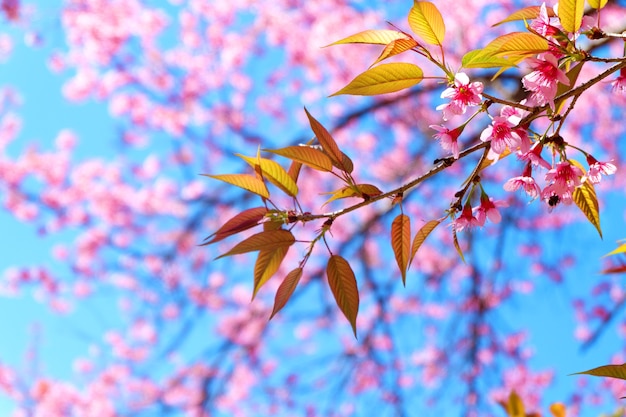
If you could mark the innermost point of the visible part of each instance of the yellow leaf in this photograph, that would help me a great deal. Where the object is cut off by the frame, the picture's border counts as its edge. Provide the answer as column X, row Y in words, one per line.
column 426, row 21
column 307, row 155
column 527, row 13
column 586, row 200
column 421, row 236
column 247, row 182
column 515, row 406
column 242, row 221
column 266, row 265
column 401, row 242
column 269, row 239
column 571, row 14
column 518, row 43
column 620, row 249
column 343, row 285
column 365, row 191
column 478, row 58
column 455, row 240
column 611, row 371
column 274, row 173
column 557, row 409
column 374, row 37
column 383, row 79
column 285, row 290
column 396, row 47
column 325, row 139
column 572, row 76
column 597, row 4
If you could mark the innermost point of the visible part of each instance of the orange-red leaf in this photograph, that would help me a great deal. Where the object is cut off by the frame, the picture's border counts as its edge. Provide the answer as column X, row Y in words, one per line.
column 558, row 410
column 342, row 283
column 307, row 155
column 329, row 145
column 269, row 239
column 396, row 47
column 401, row 242
column 383, row 79
column 426, row 21
column 245, row 181
column 421, row 236
column 375, row 37
column 285, row 290
column 267, row 263
column 274, row 173
column 242, row 221
column 586, row 200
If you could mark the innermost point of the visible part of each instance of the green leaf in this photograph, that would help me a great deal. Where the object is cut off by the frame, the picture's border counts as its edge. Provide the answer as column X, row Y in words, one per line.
column 374, row 37
column 240, row 222
column 266, row 265
column 307, row 155
column 426, row 21
column 343, row 285
column 478, row 58
column 325, row 139
column 401, row 242
column 611, row 371
column 421, row 236
column 597, row 4
column 571, row 14
column 285, row 290
column 396, row 47
column 269, row 239
column 274, row 173
column 383, row 79
column 527, row 13
column 245, row 181
column 586, row 200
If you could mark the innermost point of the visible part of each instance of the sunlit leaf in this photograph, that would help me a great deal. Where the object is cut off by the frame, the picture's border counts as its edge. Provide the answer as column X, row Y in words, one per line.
column 325, row 139
column 294, row 170
column 401, row 242
column 455, row 240
column 383, row 79
column 586, row 200
column 478, row 58
column 270, row 239
column 620, row 249
column 245, row 181
column 618, row 269
column 376, row 37
column 309, row 156
column 518, row 43
column 426, row 21
column 274, row 173
column 421, row 236
column 343, row 285
column 611, row 371
column 597, row 4
column 240, row 222
column 285, row 290
column 515, row 406
column 396, row 47
column 558, row 410
column 365, row 191
column 527, row 13
column 266, row 265
column 571, row 14
column 346, row 163
column 572, row 76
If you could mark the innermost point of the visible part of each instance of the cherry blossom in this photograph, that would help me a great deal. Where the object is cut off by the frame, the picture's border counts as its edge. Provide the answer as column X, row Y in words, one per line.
column 463, row 94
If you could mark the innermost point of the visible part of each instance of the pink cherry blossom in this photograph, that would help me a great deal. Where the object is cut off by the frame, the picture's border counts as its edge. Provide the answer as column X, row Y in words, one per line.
column 488, row 209
column 501, row 134
column 562, row 179
column 448, row 139
column 543, row 80
column 466, row 219
column 463, row 94
column 597, row 169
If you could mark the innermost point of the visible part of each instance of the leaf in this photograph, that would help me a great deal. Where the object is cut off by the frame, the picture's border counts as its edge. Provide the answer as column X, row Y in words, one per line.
column 597, row 4
column 294, row 170
column 457, row 246
column 245, row 181
column 515, row 406
column 586, row 200
column 383, row 79
column 619, row 269
column 620, row 249
column 421, row 236
column 518, row 43
column 240, row 222
column 274, row 174
column 478, row 58
column 611, row 371
column 374, row 37
column 571, row 14
column 572, row 76
column 527, row 13
column 426, row 21
column 365, row 191
column 329, row 145
column 558, row 410
column 396, row 47
column 266, row 265
column 343, row 285
column 401, row 242
column 285, row 290
column 264, row 240
column 307, row 155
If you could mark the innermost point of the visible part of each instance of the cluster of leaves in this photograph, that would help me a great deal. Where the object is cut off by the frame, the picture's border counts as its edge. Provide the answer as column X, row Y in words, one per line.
column 427, row 23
